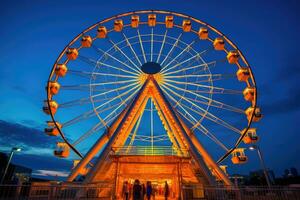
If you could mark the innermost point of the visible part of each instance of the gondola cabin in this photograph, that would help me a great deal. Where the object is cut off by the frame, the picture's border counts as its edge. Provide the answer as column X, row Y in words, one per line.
column 238, row 156
column 72, row 53
column 243, row 74
column 118, row 25
column 62, row 150
column 250, row 136
column 52, row 130
column 186, row 25
column 249, row 93
column 54, row 87
column 203, row 33
column 169, row 21
column 257, row 114
column 233, row 57
column 101, row 32
column 61, row 70
column 151, row 20
column 219, row 44
column 53, row 107
column 135, row 20
column 86, row 41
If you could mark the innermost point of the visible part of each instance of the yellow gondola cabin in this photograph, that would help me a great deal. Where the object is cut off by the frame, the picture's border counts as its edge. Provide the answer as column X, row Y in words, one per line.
column 62, row 150
column 86, row 41
column 53, row 107
column 52, row 130
column 219, row 44
column 238, row 156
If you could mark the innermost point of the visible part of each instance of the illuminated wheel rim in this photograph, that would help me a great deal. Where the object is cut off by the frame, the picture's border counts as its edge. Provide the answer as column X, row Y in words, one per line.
column 197, row 79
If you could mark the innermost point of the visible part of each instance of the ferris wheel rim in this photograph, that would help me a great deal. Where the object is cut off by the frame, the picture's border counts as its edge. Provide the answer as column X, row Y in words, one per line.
column 254, row 105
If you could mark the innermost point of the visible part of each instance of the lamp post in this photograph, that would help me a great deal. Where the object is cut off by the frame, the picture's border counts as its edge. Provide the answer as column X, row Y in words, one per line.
column 13, row 150
column 262, row 163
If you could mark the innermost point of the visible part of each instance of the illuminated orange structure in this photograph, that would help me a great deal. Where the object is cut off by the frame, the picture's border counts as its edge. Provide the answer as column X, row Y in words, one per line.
column 160, row 64
column 190, row 165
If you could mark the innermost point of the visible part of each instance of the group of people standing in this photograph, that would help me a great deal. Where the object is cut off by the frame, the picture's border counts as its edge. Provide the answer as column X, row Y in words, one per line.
column 141, row 192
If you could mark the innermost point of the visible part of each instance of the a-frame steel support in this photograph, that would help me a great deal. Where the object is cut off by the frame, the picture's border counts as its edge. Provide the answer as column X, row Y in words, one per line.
column 180, row 135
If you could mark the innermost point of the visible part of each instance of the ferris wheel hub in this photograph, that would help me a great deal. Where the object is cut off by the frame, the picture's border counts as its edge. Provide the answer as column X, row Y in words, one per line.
column 151, row 68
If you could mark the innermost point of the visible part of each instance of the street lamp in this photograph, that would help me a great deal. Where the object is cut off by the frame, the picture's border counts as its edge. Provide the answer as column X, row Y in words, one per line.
column 14, row 149
column 262, row 163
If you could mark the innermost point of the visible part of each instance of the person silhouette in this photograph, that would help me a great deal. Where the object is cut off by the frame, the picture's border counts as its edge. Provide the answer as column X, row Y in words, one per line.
column 167, row 190
column 137, row 190
column 148, row 190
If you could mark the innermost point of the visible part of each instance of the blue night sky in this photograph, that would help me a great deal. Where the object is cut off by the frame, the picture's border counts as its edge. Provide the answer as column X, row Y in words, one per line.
column 34, row 32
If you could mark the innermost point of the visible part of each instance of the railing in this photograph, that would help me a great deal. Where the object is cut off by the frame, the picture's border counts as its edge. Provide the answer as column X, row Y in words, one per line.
column 105, row 191
column 241, row 193
column 150, row 151
column 49, row 192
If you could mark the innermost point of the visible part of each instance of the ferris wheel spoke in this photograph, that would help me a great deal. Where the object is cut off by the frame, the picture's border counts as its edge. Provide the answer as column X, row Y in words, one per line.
column 94, row 129
column 201, row 127
column 204, row 66
column 85, row 116
column 81, row 101
column 122, row 103
column 116, row 97
column 204, row 113
column 203, row 130
column 183, row 51
column 113, row 57
column 214, row 89
column 115, row 75
column 79, row 118
column 141, row 45
column 171, row 50
column 217, row 77
column 112, row 83
column 124, row 54
column 209, row 100
column 114, row 90
column 197, row 56
column 95, row 63
column 89, row 74
column 133, row 51
column 92, row 113
column 206, row 132
column 162, row 46
column 151, row 54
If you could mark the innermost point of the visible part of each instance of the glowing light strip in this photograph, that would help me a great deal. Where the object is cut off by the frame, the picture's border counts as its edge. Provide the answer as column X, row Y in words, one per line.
column 178, row 64
column 193, row 67
column 230, row 91
column 130, row 46
column 171, row 50
column 120, row 50
column 141, row 45
column 162, row 46
column 116, row 59
column 151, row 58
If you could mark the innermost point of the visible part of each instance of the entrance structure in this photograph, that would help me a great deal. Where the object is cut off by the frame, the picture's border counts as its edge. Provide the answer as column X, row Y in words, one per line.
column 159, row 66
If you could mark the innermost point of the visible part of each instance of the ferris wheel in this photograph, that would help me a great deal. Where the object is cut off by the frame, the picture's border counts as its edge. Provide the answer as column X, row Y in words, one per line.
column 202, row 74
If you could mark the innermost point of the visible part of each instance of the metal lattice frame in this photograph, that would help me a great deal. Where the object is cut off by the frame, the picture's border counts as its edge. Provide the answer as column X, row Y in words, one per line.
column 121, row 76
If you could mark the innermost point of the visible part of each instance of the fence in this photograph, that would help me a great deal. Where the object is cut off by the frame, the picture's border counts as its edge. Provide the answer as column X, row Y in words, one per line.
column 46, row 191
column 241, row 193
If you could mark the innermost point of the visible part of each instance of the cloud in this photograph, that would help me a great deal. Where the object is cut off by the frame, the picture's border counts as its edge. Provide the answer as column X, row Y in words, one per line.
column 48, row 173
column 14, row 134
